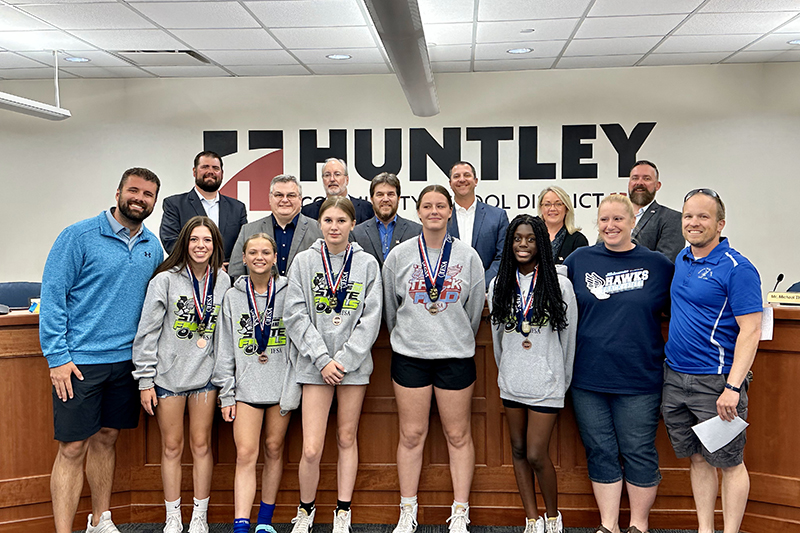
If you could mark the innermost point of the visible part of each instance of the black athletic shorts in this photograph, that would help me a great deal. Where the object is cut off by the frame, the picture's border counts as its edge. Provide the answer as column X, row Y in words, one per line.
column 108, row 397
column 517, row 405
column 447, row 374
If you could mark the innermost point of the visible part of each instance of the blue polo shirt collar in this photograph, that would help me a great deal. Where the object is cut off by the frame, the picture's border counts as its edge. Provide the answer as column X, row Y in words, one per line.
column 716, row 254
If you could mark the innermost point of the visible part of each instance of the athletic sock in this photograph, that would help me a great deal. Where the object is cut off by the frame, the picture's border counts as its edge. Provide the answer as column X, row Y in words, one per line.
column 265, row 511
column 173, row 508
column 411, row 502
column 307, row 507
column 241, row 525
column 342, row 505
column 200, row 508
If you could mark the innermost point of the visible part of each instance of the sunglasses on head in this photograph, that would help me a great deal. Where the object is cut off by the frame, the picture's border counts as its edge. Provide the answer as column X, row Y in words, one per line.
column 708, row 192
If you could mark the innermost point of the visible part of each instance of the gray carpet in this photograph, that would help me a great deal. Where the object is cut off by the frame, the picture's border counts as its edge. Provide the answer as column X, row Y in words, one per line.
column 370, row 528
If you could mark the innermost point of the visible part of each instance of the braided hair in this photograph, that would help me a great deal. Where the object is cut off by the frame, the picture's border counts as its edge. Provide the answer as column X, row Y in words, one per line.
column 548, row 305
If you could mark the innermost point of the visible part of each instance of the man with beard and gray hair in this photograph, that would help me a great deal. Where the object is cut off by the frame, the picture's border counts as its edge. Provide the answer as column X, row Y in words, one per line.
column 658, row 227
column 227, row 213
column 93, row 287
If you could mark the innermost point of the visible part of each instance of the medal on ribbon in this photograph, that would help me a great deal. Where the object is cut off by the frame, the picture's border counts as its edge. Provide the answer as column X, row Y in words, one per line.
column 337, row 290
column 434, row 278
column 524, row 308
column 262, row 322
column 203, row 303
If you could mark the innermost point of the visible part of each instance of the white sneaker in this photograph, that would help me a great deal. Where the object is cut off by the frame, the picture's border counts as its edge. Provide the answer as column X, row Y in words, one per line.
column 554, row 526
column 105, row 525
column 303, row 522
column 534, row 525
column 459, row 519
column 174, row 524
column 199, row 524
column 407, row 522
column 341, row 521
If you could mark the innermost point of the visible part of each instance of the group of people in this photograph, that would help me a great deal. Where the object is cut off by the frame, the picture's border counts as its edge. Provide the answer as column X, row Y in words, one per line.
column 263, row 317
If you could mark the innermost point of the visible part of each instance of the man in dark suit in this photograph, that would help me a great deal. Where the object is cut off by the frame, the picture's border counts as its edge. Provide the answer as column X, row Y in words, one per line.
column 293, row 232
column 335, row 181
column 386, row 229
column 658, row 227
column 204, row 199
column 475, row 222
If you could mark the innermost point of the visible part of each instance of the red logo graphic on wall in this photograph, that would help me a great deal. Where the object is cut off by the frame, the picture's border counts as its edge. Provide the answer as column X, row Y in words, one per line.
column 260, row 172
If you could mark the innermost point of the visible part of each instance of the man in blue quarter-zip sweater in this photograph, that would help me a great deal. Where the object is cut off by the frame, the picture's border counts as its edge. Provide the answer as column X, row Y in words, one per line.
column 93, row 288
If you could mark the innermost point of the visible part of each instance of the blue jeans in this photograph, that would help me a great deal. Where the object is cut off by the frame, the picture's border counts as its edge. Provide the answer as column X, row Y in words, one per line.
column 616, row 427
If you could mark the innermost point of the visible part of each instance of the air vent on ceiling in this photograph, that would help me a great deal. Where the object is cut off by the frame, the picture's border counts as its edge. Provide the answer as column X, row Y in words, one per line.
column 164, row 58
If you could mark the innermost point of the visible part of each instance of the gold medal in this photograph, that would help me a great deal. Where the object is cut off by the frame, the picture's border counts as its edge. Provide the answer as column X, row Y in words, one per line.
column 526, row 327
column 526, row 344
column 201, row 342
column 263, row 359
column 337, row 320
column 433, row 294
column 433, row 309
column 332, row 301
column 201, row 329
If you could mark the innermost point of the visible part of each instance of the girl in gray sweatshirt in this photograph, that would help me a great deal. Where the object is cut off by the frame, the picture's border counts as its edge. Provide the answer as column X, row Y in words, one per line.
column 255, row 378
column 332, row 315
column 173, row 354
column 534, row 319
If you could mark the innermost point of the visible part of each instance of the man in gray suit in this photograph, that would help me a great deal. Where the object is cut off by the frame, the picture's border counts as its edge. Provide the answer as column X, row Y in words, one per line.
column 658, row 227
column 386, row 229
column 292, row 231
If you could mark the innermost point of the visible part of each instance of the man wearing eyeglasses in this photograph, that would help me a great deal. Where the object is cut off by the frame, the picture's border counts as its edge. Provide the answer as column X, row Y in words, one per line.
column 658, row 227
column 293, row 232
column 713, row 336
column 335, row 181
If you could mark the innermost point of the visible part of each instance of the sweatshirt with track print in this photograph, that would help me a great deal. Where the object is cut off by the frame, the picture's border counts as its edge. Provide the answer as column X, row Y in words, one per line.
column 319, row 333
column 416, row 328
column 165, row 350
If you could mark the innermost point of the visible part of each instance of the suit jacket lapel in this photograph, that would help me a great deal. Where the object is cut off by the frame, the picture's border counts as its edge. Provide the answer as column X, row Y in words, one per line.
column 297, row 238
column 194, row 201
column 452, row 224
column 374, row 235
column 646, row 216
column 480, row 214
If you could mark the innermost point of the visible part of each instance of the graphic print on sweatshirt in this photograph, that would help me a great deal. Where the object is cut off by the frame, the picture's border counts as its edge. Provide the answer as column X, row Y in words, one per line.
column 322, row 304
column 614, row 282
column 451, row 289
column 185, row 325
column 247, row 341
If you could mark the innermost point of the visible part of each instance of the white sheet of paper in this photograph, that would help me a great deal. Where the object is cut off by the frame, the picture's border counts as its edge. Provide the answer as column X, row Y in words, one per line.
column 766, row 324
column 715, row 433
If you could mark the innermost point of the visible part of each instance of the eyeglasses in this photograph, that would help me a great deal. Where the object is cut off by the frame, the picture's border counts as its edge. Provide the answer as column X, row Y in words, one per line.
column 557, row 205
column 280, row 196
column 336, row 174
column 708, row 192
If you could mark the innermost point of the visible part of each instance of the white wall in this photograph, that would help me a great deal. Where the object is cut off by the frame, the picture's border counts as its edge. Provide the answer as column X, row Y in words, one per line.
column 734, row 128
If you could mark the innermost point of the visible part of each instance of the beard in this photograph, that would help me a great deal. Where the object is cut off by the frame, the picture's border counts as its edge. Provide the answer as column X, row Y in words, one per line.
column 642, row 197
column 208, row 186
column 125, row 209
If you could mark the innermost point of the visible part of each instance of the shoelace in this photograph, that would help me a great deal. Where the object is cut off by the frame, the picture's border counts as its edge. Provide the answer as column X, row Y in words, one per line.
column 340, row 519
column 173, row 523
column 406, row 518
column 194, row 524
column 301, row 518
column 458, row 522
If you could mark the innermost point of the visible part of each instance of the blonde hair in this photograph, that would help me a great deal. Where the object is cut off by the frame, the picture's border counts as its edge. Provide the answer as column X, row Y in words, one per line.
column 618, row 199
column 271, row 242
column 569, row 218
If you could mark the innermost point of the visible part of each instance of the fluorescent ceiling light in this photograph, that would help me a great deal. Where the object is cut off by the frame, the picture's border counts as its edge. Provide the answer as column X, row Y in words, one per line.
column 793, row 41
column 338, row 57
column 32, row 107
column 73, row 59
column 520, row 51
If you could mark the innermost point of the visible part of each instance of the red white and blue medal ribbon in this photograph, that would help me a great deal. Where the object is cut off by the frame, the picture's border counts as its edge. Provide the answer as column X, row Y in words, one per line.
column 524, row 305
column 262, row 322
column 434, row 279
column 203, row 303
column 337, row 290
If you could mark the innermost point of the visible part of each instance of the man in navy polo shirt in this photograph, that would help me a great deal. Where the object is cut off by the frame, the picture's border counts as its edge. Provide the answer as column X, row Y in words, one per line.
column 713, row 336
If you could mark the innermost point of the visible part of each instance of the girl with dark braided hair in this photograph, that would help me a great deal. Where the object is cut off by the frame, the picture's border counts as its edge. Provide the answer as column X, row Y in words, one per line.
column 534, row 318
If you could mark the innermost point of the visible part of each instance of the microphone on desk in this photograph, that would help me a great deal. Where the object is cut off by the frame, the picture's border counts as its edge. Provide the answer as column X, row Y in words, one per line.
column 780, row 278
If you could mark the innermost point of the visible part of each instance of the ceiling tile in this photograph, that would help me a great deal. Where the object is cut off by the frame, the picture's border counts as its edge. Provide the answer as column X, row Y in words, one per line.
column 705, row 43
column 304, row 13
column 97, row 58
column 270, row 70
column 598, row 61
column 450, row 66
column 540, row 9
column 11, row 60
column 359, row 55
column 107, row 72
column 188, row 72
column 22, row 2
column 31, row 74
column 250, row 57
column 340, row 37
column 498, row 51
column 448, row 33
column 431, row 11
column 603, row 8
column 623, row 45
column 12, row 19
column 741, row 6
column 197, row 14
column 458, row 52
column 775, row 41
column 19, row 41
column 764, row 57
column 509, row 32
column 235, row 39
column 699, row 58
column 628, row 26
column 730, row 23
column 791, row 27
column 89, row 16
column 352, row 68
column 513, row 64
column 129, row 39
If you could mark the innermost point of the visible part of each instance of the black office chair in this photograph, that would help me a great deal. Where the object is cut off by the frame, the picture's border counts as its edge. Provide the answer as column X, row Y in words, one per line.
column 17, row 294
